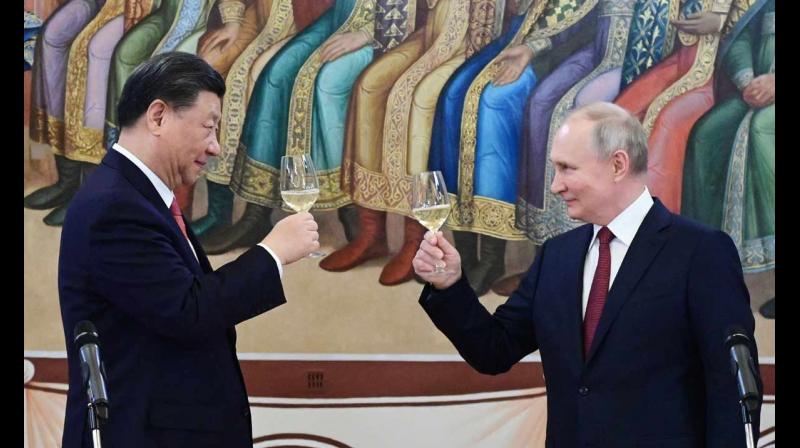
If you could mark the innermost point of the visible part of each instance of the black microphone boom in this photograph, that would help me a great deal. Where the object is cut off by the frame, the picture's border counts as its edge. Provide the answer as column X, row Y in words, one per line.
column 88, row 344
column 743, row 368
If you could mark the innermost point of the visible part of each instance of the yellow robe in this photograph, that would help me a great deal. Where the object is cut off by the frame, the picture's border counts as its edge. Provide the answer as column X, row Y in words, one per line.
column 391, row 111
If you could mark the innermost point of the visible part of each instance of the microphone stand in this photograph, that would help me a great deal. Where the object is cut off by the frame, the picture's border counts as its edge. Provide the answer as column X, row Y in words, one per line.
column 748, row 425
column 94, row 424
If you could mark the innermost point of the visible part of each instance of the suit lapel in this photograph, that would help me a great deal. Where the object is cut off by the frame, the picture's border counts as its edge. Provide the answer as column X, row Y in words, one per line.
column 645, row 246
column 201, row 254
column 146, row 188
column 574, row 255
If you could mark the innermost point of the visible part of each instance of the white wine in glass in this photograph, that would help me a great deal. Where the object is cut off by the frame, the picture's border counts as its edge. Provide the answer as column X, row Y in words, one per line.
column 430, row 204
column 299, row 186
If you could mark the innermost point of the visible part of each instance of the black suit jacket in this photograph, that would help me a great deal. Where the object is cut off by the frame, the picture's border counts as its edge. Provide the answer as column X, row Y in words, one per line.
column 165, row 318
column 657, row 374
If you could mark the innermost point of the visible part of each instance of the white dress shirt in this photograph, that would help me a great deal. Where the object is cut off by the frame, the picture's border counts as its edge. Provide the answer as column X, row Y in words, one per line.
column 168, row 196
column 624, row 228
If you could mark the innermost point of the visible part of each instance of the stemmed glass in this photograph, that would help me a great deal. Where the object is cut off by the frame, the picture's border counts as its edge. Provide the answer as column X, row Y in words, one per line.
column 299, row 186
column 430, row 204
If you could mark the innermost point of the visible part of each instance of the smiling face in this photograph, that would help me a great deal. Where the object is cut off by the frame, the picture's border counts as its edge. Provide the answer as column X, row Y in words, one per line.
column 582, row 178
column 190, row 137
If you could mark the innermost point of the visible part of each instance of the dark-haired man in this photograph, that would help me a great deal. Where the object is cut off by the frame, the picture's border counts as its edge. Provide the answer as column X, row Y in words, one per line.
column 130, row 264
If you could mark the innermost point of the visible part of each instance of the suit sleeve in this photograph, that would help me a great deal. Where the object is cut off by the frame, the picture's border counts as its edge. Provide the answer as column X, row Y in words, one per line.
column 490, row 343
column 135, row 266
column 718, row 300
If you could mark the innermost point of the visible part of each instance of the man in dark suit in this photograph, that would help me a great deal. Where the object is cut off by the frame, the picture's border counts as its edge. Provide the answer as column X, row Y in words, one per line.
column 640, row 364
column 131, row 265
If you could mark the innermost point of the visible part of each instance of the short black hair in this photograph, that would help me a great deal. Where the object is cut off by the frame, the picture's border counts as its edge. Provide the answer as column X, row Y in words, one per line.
column 176, row 78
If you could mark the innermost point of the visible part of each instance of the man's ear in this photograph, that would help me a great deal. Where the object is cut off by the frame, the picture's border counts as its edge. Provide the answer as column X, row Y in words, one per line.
column 620, row 164
column 155, row 116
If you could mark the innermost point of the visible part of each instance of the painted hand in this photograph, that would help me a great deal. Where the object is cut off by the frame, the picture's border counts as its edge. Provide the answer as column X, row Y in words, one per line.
column 699, row 23
column 220, row 39
column 512, row 63
column 342, row 44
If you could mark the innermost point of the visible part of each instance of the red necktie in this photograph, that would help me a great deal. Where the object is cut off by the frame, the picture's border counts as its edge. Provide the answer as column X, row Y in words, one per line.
column 599, row 290
column 176, row 213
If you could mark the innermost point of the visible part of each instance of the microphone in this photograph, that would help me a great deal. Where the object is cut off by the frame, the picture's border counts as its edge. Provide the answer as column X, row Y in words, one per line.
column 92, row 371
column 743, row 368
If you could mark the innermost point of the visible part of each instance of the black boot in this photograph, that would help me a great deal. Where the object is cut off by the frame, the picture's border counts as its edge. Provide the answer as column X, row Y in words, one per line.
column 220, row 210
column 768, row 309
column 492, row 264
column 69, row 178
column 56, row 217
column 467, row 245
column 247, row 232
column 348, row 215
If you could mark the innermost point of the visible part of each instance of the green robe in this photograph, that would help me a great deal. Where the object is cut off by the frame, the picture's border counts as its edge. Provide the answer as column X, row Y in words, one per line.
column 729, row 172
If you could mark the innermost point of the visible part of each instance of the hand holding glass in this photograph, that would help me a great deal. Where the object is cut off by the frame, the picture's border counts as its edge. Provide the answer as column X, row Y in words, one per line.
column 299, row 186
column 430, row 204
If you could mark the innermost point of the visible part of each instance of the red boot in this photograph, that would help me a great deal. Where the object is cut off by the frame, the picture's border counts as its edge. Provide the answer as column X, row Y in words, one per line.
column 370, row 243
column 399, row 269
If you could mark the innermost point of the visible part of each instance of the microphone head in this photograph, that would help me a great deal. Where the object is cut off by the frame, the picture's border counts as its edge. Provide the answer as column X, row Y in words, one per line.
column 736, row 335
column 85, row 333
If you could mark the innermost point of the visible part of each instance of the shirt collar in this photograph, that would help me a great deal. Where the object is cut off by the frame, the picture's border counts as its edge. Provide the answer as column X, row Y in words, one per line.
column 626, row 224
column 163, row 190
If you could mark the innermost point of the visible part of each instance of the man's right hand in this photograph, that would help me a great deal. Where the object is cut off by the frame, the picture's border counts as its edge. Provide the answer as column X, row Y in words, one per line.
column 436, row 250
column 293, row 237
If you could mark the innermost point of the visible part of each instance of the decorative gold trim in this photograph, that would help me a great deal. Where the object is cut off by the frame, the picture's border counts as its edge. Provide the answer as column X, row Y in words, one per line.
column 469, row 116
column 449, row 43
column 733, row 200
column 552, row 218
column 486, row 216
column 135, row 11
column 280, row 24
column 37, row 127
column 698, row 75
column 688, row 39
column 231, row 11
column 551, row 29
column 171, row 27
column 259, row 183
column 301, row 105
column 669, row 39
column 82, row 143
column 738, row 10
column 481, row 25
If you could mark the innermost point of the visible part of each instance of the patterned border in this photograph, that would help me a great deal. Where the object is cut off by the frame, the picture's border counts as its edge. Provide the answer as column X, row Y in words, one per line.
column 699, row 74
column 552, row 218
column 80, row 142
column 469, row 116
column 259, row 183
column 390, row 189
column 486, row 216
column 279, row 25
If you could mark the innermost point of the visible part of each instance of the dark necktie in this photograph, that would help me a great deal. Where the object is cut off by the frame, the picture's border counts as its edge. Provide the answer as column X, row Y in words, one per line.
column 599, row 290
column 176, row 213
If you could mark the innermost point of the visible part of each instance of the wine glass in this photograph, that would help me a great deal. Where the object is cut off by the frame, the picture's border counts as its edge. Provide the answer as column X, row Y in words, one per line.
column 430, row 204
column 299, row 185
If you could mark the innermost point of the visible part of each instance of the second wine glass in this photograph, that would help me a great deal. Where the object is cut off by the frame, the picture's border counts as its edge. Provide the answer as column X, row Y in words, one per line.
column 299, row 185
column 430, row 204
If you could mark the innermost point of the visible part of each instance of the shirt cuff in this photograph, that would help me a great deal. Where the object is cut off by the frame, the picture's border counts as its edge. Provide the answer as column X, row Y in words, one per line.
column 277, row 260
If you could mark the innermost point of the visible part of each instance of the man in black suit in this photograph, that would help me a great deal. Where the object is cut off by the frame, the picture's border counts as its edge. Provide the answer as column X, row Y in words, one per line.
column 629, row 312
column 130, row 264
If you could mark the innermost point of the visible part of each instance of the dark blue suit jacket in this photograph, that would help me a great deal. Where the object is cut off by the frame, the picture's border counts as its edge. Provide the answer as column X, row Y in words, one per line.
column 657, row 374
column 165, row 319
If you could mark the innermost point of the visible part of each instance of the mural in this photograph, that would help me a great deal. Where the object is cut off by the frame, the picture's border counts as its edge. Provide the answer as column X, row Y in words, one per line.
column 379, row 90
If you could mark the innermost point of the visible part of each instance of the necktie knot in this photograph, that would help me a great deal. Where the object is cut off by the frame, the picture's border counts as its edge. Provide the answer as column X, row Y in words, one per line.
column 605, row 235
column 176, row 213
column 175, row 209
